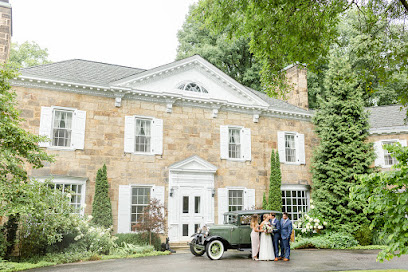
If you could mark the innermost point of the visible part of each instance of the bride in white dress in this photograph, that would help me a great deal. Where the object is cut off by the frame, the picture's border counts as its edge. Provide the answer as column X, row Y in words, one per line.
column 265, row 247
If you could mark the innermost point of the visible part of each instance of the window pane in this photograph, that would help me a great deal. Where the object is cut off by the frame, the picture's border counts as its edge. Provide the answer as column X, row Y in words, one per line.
column 185, row 229
column 197, row 200
column 196, row 227
column 185, row 204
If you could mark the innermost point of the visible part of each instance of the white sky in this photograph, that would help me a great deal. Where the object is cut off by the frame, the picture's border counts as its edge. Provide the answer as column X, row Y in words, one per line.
column 136, row 33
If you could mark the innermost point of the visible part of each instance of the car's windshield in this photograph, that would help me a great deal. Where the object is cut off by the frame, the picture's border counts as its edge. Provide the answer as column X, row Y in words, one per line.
column 230, row 219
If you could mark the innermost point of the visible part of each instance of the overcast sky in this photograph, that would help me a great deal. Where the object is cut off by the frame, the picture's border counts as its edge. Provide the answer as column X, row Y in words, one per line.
column 136, row 33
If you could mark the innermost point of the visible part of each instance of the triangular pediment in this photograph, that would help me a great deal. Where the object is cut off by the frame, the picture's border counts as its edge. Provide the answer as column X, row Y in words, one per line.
column 167, row 79
column 193, row 164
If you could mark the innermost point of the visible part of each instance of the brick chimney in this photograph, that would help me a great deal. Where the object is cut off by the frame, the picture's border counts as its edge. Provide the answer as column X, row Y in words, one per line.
column 296, row 75
column 5, row 30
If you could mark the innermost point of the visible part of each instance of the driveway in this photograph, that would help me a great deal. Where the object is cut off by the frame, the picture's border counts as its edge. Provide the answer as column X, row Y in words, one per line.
column 312, row 260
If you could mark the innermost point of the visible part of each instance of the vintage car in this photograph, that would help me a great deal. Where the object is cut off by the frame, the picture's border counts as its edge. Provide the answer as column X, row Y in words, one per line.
column 235, row 233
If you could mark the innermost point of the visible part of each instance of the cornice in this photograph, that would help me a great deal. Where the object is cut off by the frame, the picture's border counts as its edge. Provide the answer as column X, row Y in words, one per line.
column 118, row 94
column 389, row 130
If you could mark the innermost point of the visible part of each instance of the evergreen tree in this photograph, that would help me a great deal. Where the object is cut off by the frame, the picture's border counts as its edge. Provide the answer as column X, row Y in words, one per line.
column 101, row 206
column 264, row 202
column 342, row 127
column 275, row 194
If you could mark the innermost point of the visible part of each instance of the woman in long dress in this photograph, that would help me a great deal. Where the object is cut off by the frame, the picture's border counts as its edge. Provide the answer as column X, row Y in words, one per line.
column 255, row 237
column 266, row 247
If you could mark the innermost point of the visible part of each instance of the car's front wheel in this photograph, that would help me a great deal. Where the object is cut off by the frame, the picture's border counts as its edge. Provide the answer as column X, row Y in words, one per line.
column 195, row 250
column 215, row 249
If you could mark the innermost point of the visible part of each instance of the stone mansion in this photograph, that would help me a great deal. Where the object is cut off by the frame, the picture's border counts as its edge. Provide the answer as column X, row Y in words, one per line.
column 184, row 133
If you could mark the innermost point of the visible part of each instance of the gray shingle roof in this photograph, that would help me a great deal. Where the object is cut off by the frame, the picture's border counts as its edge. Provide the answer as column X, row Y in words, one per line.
column 387, row 116
column 81, row 71
column 279, row 104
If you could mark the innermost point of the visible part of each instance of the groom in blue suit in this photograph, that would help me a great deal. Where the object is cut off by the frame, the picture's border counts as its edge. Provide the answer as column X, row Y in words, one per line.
column 286, row 231
column 276, row 238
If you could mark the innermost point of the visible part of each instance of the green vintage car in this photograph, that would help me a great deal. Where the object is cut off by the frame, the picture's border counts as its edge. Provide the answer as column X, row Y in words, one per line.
column 235, row 233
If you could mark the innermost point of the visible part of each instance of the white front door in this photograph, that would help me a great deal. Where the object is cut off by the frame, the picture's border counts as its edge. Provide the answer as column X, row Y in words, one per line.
column 192, row 212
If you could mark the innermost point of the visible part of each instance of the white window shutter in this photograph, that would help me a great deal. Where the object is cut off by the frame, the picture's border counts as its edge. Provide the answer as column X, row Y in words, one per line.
column 129, row 143
column 300, row 148
column 249, row 199
column 281, row 146
column 246, row 143
column 157, row 136
column 158, row 193
column 78, row 129
column 45, row 125
column 224, row 142
column 222, row 204
column 403, row 142
column 379, row 151
column 124, row 208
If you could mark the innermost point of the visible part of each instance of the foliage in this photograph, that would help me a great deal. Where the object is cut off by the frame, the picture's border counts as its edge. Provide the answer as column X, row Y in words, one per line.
column 387, row 197
column 311, row 222
column 138, row 239
column 10, row 233
column 275, row 181
column 342, row 127
column 334, row 240
column 46, row 218
column 230, row 56
column 28, row 54
column 364, row 235
column 264, row 202
column 154, row 219
column 129, row 249
column 101, row 206
column 3, row 243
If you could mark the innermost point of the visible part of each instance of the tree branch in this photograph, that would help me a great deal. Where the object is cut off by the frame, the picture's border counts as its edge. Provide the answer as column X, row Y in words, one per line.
column 405, row 4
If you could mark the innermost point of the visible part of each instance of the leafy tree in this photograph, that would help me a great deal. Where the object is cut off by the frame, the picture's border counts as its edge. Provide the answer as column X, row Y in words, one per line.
column 154, row 219
column 28, row 54
column 387, row 197
column 101, row 206
column 286, row 32
column 275, row 181
column 231, row 56
column 342, row 127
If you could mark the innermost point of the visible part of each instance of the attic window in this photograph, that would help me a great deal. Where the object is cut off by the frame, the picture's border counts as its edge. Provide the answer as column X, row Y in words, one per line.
column 192, row 87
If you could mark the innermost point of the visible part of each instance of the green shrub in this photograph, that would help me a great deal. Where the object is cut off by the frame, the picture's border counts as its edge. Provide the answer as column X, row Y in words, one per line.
column 311, row 242
column 364, row 235
column 101, row 206
column 138, row 239
column 3, row 243
column 340, row 240
column 129, row 249
column 380, row 238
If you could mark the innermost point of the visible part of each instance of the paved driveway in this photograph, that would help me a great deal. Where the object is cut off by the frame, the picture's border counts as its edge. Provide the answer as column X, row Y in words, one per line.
column 312, row 260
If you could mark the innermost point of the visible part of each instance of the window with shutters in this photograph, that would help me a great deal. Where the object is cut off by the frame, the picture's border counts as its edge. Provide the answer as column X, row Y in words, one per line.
column 140, row 199
column 234, row 146
column 235, row 200
column 388, row 159
column 143, row 135
column 290, row 148
column 295, row 202
column 62, row 128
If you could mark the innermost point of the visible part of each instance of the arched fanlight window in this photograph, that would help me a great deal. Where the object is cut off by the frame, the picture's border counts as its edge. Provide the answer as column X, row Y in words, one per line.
column 192, row 87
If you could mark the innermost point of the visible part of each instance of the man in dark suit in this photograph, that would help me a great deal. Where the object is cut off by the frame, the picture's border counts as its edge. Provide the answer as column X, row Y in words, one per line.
column 276, row 238
column 286, row 231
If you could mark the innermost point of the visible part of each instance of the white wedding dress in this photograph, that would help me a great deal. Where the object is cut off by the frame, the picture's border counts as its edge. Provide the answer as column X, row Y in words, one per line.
column 266, row 247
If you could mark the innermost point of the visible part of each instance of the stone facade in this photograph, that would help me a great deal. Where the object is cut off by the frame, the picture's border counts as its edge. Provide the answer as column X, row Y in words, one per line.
column 298, row 95
column 5, row 30
column 187, row 131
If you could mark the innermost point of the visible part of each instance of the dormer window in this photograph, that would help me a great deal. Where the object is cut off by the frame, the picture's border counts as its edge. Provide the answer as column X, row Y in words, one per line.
column 192, row 87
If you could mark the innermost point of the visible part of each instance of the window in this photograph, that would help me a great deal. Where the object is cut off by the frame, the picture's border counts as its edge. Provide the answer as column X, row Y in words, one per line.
column 197, row 203
column 62, row 128
column 234, row 147
column 235, row 200
column 294, row 202
column 140, row 199
column 388, row 159
column 192, row 87
column 185, row 204
column 143, row 135
column 290, row 150
column 185, row 229
column 76, row 191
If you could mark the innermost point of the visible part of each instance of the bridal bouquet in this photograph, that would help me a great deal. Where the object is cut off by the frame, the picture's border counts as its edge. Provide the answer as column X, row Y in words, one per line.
column 267, row 227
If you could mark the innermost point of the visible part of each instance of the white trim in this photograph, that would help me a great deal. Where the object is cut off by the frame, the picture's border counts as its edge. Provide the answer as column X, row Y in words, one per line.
column 389, row 130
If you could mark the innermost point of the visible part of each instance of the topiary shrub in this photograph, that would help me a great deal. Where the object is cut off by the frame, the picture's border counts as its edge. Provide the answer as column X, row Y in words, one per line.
column 138, row 239
column 101, row 206
column 364, row 235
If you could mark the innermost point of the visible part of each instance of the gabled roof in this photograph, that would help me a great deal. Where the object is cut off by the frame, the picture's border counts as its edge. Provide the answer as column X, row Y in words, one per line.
column 387, row 119
column 81, row 72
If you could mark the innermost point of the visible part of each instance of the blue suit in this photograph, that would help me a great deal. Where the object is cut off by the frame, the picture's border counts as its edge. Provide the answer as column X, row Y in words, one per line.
column 286, row 231
column 276, row 238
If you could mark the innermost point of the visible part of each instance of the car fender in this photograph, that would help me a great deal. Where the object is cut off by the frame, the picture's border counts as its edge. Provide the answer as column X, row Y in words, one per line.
column 212, row 238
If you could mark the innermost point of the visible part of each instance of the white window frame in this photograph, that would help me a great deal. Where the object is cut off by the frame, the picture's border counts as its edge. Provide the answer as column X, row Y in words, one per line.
column 69, row 181
column 286, row 150
column 240, row 143
column 242, row 196
column 300, row 147
column 385, row 152
column 297, row 188
column 131, row 196
column 66, row 148
column 143, row 118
